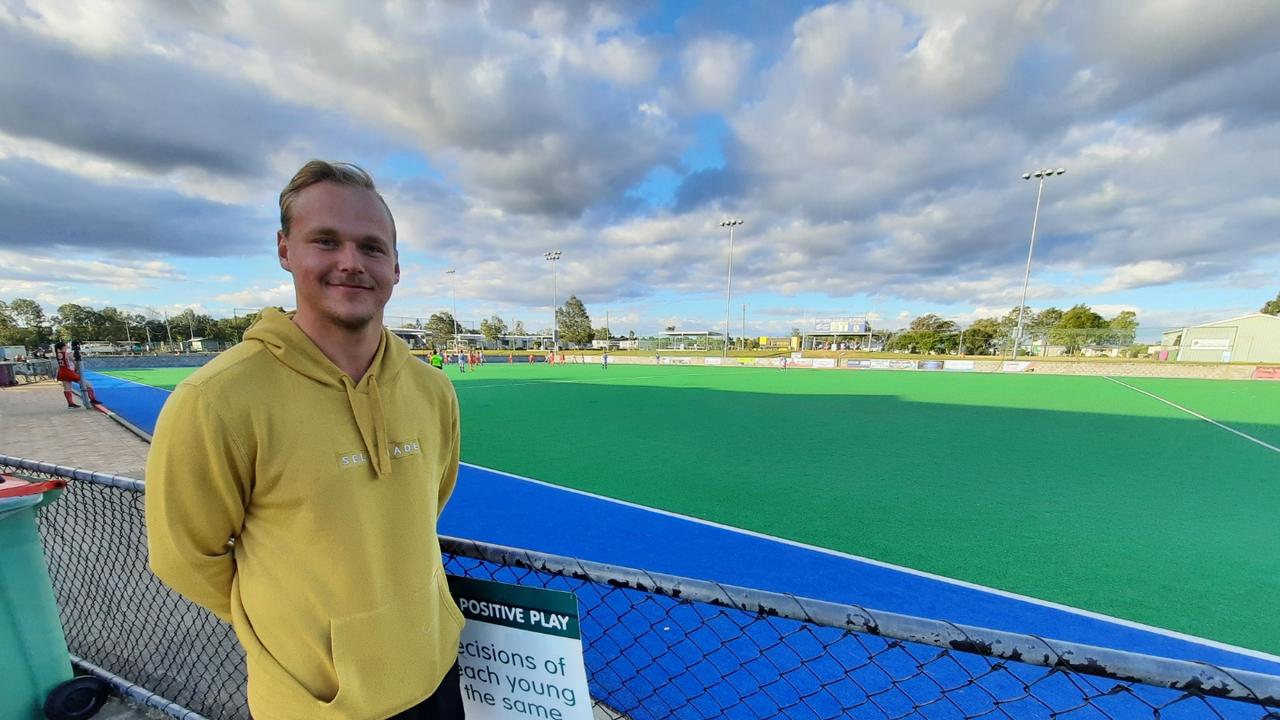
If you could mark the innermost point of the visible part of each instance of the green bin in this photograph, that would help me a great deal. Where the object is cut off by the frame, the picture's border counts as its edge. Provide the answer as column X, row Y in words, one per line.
column 35, row 665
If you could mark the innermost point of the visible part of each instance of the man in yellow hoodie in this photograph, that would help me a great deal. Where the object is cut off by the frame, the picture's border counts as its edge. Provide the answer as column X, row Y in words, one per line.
column 294, row 482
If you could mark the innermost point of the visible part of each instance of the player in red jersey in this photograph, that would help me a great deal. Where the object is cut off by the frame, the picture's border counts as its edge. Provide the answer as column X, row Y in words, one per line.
column 67, row 374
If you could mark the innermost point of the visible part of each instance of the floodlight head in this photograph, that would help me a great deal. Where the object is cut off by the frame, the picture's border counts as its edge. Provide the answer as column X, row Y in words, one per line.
column 730, row 222
column 1040, row 173
column 553, row 255
column 1060, row 171
column 1026, row 176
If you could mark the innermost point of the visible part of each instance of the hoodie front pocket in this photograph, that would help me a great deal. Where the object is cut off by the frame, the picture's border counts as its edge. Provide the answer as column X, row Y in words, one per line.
column 392, row 657
column 447, row 601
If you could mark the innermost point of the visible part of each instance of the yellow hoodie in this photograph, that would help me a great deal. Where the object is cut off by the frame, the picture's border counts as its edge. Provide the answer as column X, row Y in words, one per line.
column 301, row 508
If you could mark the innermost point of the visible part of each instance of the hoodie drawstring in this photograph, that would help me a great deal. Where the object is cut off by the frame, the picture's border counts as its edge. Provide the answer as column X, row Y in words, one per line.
column 376, row 446
column 380, row 429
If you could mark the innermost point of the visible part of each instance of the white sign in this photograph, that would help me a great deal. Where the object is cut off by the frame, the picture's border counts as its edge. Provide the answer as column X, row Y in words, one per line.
column 520, row 654
column 824, row 362
column 711, row 361
column 960, row 365
column 1011, row 366
column 1210, row 343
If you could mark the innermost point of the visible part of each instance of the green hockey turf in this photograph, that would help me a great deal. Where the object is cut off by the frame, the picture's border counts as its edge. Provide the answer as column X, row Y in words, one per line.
column 1076, row 490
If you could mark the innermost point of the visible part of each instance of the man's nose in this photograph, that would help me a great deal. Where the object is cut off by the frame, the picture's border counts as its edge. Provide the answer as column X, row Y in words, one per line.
column 349, row 258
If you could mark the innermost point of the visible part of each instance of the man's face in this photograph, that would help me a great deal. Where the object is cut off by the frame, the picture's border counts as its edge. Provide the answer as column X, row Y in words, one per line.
column 341, row 253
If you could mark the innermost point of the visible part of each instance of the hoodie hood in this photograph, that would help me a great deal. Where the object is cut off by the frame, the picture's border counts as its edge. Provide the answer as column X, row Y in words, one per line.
column 280, row 336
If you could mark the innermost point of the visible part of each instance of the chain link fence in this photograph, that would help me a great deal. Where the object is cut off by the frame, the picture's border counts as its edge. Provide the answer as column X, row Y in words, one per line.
column 655, row 646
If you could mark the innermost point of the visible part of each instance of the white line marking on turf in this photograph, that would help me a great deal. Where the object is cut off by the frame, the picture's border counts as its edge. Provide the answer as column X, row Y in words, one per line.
column 1258, row 654
column 572, row 382
column 1193, row 413
column 135, row 382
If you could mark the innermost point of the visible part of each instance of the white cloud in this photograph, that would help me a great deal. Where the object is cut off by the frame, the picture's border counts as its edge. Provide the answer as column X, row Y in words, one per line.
column 715, row 69
column 192, row 182
column 22, row 270
column 96, row 27
column 1142, row 274
column 259, row 297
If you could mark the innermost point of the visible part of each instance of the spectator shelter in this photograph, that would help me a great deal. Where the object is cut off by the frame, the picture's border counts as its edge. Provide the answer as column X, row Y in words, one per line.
column 690, row 340
column 420, row 339
column 1249, row 338
column 844, row 333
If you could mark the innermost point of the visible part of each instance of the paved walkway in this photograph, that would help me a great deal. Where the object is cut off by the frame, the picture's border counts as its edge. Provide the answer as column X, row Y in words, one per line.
column 35, row 423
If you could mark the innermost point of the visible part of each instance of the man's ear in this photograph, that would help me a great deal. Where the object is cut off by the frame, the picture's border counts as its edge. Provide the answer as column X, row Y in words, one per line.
column 397, row 282
column 282, row 250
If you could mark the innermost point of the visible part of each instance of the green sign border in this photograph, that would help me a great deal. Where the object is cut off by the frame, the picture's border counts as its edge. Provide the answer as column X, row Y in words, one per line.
column 520, row 596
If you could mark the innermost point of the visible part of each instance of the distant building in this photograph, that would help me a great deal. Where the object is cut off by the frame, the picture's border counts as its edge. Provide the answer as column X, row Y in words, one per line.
column 618, row 344
column 1249, row 338
column 686, row 340
column 416, row 338
column 842, row 333
column 204, row 345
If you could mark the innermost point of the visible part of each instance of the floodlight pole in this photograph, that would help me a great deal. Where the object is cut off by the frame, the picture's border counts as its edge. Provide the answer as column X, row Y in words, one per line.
column 453, row 274
column 730, row 223
column 554, row 257
column 1035, row 220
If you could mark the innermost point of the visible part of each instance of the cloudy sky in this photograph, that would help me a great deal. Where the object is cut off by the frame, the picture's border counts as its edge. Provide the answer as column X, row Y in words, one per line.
column 874, row 151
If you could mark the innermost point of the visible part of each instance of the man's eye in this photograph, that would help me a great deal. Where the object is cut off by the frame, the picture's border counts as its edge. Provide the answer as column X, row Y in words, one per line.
column 377, row 249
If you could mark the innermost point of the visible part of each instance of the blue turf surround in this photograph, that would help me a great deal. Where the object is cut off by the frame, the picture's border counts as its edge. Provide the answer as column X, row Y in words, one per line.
column 495, row 507
column 139, row 404
column 499, row 508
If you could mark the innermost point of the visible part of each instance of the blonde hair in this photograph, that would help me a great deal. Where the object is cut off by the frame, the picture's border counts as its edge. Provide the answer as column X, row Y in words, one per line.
column 318, row 171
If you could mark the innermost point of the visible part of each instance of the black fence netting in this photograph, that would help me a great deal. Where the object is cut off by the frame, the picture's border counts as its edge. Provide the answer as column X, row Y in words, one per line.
column 655, row 646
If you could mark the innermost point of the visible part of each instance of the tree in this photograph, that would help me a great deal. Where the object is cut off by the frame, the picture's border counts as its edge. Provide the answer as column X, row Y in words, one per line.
column 27, row 313
column 442, row 327
column 926, row 334
column 231, row 330
column 10, row 333
column 1009, row 323
column 601, row 333
column 189, row 324
column 29, row 318
column 116, row 325
column 931, row 323
column 1078, row 328
column 76, row 322
column 1124, row 328
column 493, row 328
column 1271, row 307
column 519, row 328
column 981, row 336
column 573, row 321
column 1046, row 319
